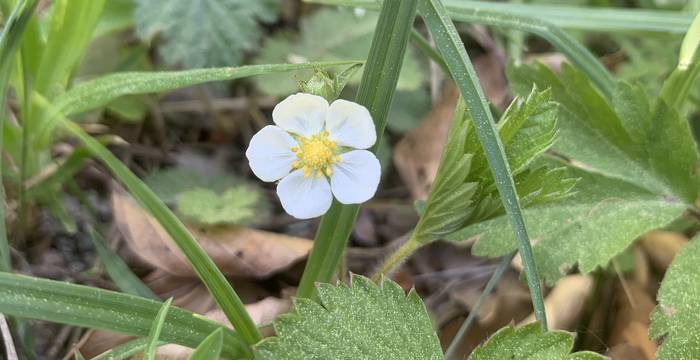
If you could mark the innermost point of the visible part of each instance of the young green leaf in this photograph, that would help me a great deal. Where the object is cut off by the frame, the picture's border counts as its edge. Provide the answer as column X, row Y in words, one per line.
column 125, row 350
column 530, row 343
column 78, row 305
column 360, row 321
column 605, row 214
column 675, row 319
column 328, row 34
column 204, row 33
column 237, row 205
column 156, row 329
column 210, row 348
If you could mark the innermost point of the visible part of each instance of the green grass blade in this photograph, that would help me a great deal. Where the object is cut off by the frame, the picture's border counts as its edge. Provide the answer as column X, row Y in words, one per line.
column 156, row 329
column 598, row 19
column 79, row 305
column 210, row 348
column 677, row 86
column 375, row 93
column 101, row 91
column 118, row 271
column 574, row 51
column 452, row 49
column 9, row 40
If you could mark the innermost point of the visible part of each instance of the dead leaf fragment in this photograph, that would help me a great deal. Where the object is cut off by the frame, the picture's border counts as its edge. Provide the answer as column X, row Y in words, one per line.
column 236, row 250
column 565, row 302
column 662, row 247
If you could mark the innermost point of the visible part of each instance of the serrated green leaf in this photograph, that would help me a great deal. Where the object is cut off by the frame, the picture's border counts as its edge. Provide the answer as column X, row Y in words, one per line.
column 649, row 146
column 530, row 343
column 675, row 319
column 236, row 205
column 169, row 183
column 360, row 321
column 328, row 34
column 604, row 214
column 204, row 33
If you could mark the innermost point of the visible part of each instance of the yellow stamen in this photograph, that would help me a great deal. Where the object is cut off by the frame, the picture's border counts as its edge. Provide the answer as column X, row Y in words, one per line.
column 316, row 154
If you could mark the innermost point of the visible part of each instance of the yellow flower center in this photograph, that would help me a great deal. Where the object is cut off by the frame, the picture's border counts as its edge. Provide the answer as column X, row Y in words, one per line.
column 315, row 155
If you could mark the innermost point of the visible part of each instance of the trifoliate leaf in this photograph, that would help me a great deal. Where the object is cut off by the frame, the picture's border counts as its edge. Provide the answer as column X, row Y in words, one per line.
column 604, row 214
column 675, row 319
column 530, row 343
column 327, row 34
column 360, row 321
column 234, row 206
column 204, row 33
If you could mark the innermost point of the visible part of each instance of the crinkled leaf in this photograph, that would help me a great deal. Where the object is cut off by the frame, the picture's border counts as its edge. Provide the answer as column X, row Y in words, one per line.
column 360, row 321
column 649, row 146
column 204, row 33
column 328, row 34
column 605, row 214
column 530, row 343
column 675, row 319
column 236, row 205
column 169, row 183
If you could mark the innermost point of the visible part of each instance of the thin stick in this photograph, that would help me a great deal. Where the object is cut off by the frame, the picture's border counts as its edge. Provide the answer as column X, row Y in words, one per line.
column 7, row 339
column 500, row 270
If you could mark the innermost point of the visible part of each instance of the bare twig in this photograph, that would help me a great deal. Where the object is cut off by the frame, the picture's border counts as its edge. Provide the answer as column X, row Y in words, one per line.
column 10, row 351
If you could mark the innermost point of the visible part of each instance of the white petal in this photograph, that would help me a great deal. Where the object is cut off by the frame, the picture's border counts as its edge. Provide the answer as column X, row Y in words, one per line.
column 270, row 153
column 304, row 198
column 302, row 114
column 355, row 177
column 350, row 124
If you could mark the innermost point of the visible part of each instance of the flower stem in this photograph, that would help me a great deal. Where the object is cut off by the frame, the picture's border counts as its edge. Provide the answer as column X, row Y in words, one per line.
column 396, row 258
column 375, row 93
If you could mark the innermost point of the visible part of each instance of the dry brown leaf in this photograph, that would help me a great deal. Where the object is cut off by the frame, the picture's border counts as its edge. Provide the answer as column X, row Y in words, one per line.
column 662, row 247
column 565, row 302
column 633, row 306
column 236, row 250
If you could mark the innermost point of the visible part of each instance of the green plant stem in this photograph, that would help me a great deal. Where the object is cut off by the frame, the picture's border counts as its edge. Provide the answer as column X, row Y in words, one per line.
column 677, row 86
column 375, row 93
column 9, row 41
column 474, row 311
column 452, row 49
column 390, row 263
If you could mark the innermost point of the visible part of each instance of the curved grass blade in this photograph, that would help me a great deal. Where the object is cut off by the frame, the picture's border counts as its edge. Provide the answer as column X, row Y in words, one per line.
column 211, row 276
column 125, row 350
column 156, row 329
column 574, row 51
column 210, row 348
column 452, row 49
column 101, row 91
column 375, row 93
column 79, row 305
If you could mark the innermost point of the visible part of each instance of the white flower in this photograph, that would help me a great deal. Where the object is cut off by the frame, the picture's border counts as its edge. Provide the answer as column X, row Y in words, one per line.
column 313, row 143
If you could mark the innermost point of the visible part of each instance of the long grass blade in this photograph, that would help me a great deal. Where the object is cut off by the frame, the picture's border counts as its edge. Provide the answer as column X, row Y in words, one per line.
column 375, row 93
column 574, row 51
column 78, row 305
column 101, row 91
column 452, row 49
column 598, row 19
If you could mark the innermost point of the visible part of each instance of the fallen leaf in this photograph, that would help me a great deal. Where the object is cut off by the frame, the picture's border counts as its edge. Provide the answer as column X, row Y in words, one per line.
column 236, row 250
column 565, row 302
column 633, row 306
column 662, row 246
